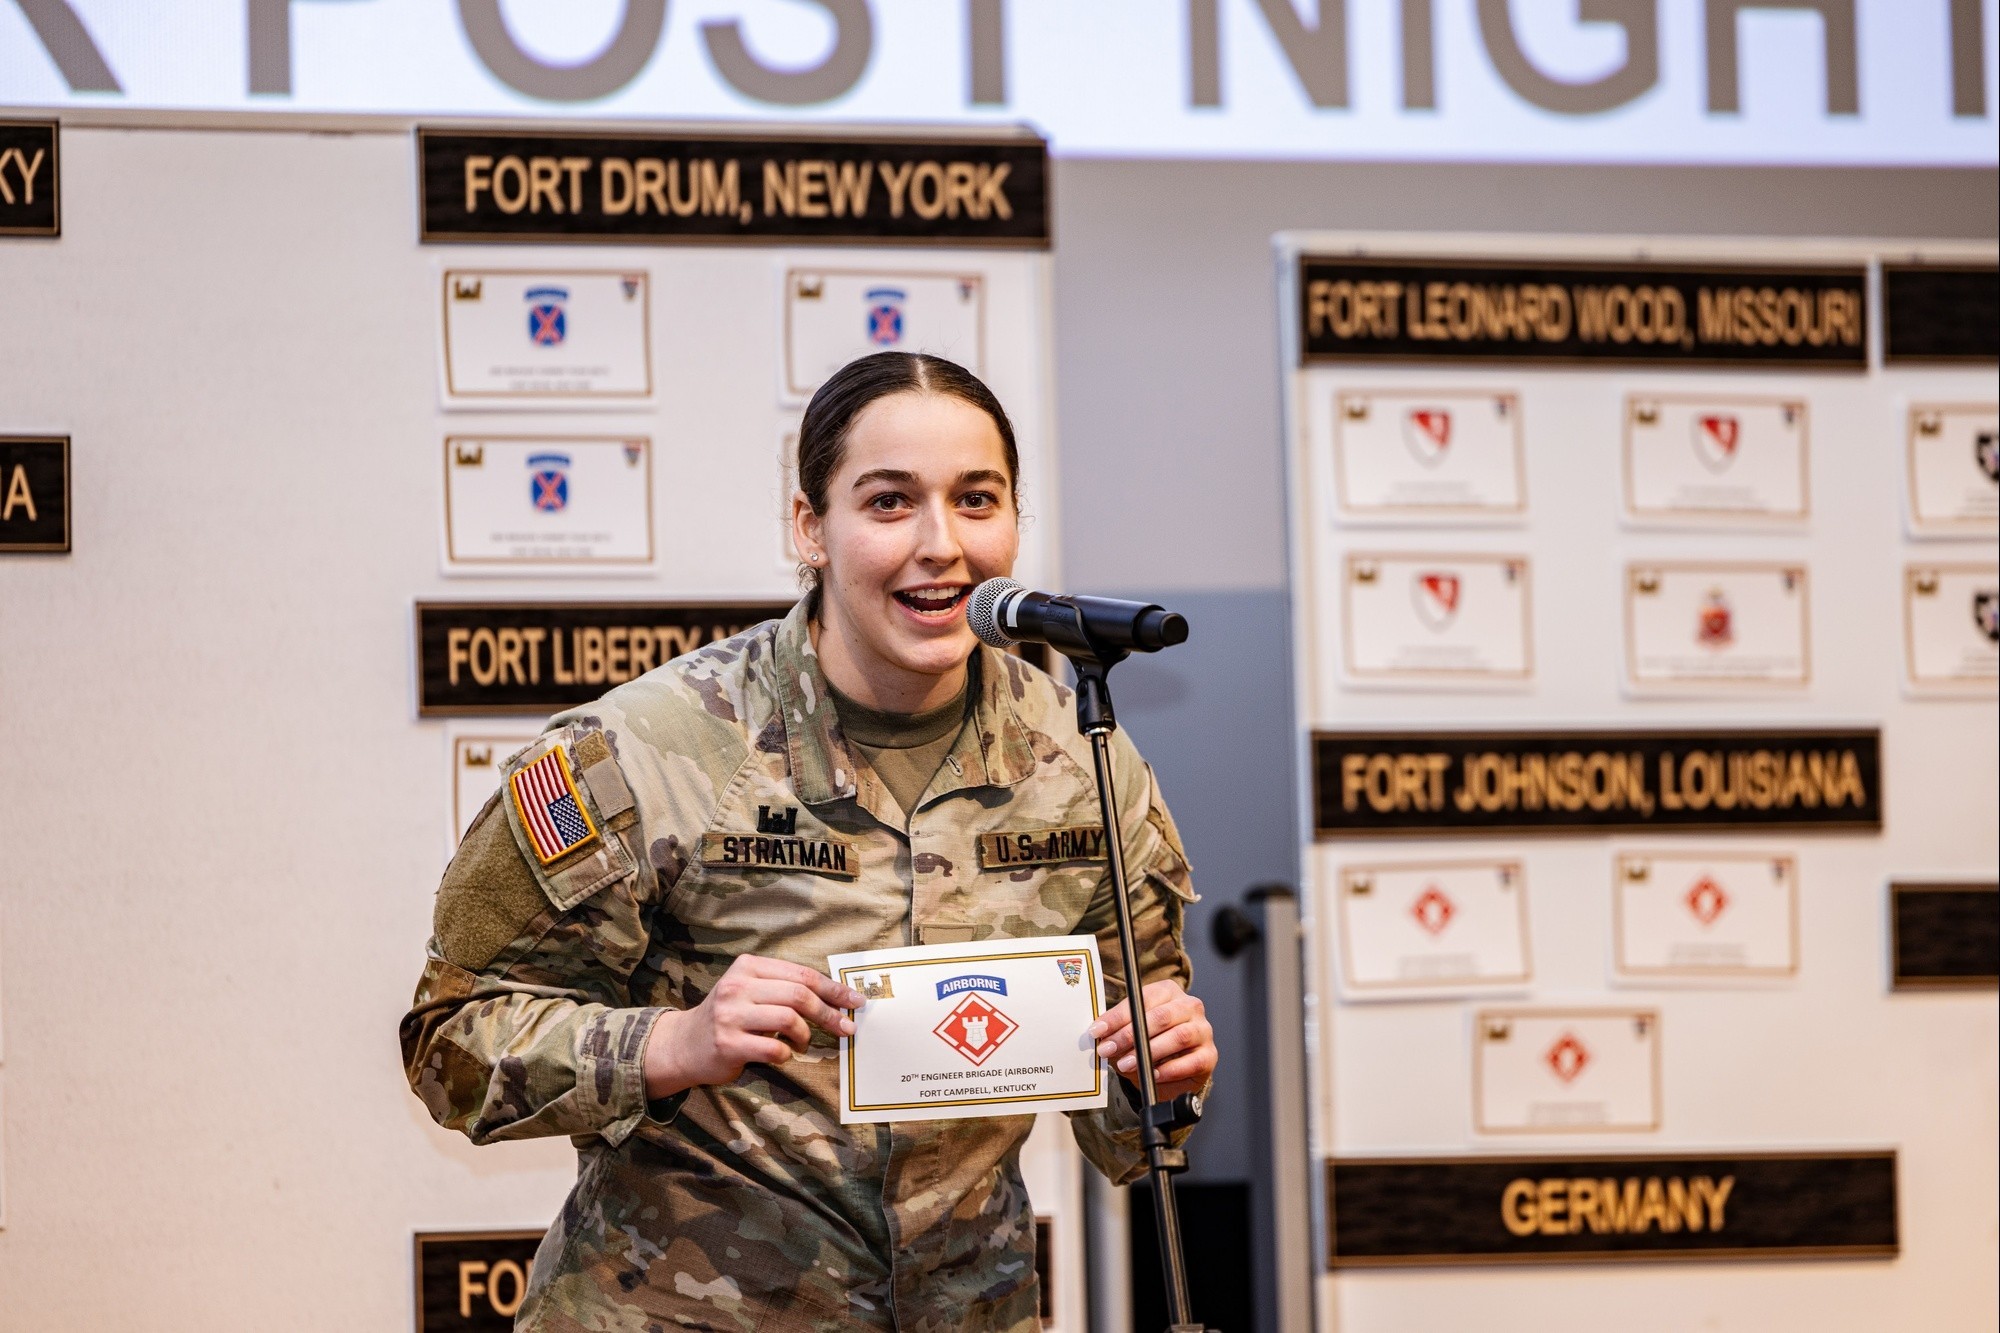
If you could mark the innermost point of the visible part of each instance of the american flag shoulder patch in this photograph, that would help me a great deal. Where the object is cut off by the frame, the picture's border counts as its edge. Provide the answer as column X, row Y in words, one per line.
column 550, row 807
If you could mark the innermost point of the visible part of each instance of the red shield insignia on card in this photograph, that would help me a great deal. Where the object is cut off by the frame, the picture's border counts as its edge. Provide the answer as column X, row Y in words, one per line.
column 1427, row 431
column 975, row 1029
column 1716, row 436
column 1436, row 595
column 1714, row 626
column 1567, row 1057
column 1706, row 900
column 1432, row 909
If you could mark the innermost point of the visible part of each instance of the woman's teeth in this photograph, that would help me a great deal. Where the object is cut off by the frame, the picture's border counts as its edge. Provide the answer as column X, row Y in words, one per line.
column 932, row 601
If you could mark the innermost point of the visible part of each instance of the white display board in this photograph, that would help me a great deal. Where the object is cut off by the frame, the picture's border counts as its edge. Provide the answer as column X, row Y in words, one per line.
column 220, row 864
column 1778, row 1033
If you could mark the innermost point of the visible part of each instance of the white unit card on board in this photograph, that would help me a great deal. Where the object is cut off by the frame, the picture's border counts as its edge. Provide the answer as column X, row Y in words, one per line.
column 1422, row 929
column 1565, row 1071
column 1435, row 621
column 833, row 316
column 1435, row 457
column 1951, row 629
column 518, row 504
column 547, row 338
column 1952, row 472
column 1713, row 628
column 1715, row 916
column 1695, row 461
column 476, row 757
column 788, row 481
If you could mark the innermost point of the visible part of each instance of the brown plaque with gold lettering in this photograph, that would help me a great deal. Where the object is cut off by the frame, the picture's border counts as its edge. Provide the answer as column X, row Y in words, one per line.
column 1945, row 936
column 30, row 178
column 34, row 494
column 1469, row 310
column 1399, row 1211
column 1482, row 782
column 472, row 1281
column 567, row 186
column 1940, row 313
column 539, row 657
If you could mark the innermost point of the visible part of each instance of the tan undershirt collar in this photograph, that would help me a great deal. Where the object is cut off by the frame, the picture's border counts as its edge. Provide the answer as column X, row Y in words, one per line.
column 905, row 749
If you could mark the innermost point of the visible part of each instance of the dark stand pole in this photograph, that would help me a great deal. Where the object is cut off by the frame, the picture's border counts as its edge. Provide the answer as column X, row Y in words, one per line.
column 1094, row 718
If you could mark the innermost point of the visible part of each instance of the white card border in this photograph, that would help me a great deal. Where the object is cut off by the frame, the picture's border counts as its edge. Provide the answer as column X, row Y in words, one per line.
column 1715, row 519
column 455, row 401
column 454, row 565
column 789, row 393
column 1948, row 687
column 1479, row 1018
column 1477, row 986
column 1723, row 685
column 1622, row 973
column 1460, row 516
column 1438, row 681
column 1919, row 528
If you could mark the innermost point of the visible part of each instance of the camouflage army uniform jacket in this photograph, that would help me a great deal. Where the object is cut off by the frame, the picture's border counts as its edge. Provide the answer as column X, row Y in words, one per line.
column 748, row 1205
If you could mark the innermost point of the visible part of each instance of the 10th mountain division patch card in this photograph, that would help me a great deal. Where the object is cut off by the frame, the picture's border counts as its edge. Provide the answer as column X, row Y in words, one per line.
column 953, row 1031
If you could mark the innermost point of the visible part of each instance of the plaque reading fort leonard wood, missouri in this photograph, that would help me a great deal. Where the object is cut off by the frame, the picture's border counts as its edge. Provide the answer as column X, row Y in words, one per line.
column 1708, row 628
column 832, row 316
column 547, row 338
column 1711, row 461
column 568, row 186
column 1402, row 1211
column 1952, row 469
column 34, row 494
column 1484, row 782
column 1565, row 1071
column 540, row 657
column 520, row 504
column 1435, row 621
column 1448, row 455
column 997, row 1027
column 1552, row 311
column 472, row 1281
column 1951, row 630
column 1420, row 929
column 1704, row 916
column 30, row 178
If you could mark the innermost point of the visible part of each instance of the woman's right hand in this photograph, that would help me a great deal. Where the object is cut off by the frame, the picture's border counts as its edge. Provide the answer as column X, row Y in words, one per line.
column 757, row 1014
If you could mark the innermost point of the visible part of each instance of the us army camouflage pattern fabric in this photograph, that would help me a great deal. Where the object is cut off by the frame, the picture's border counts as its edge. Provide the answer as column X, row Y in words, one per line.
column 749, row 1206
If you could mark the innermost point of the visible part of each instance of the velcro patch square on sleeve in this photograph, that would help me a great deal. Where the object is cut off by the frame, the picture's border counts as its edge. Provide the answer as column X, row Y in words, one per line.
column 551, row 809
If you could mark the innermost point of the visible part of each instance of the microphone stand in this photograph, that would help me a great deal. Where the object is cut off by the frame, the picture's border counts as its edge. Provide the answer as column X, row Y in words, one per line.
column 1092, row 660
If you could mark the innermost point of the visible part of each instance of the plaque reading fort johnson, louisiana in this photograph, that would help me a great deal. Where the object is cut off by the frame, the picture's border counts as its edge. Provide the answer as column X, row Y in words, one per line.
column 1709, row 916
column 1952, row 469
column 1552, row 311
column 34, row 494
column 550, row 338
column 832, row 316
column 472, row 1281
column 569, row 186
column 1436, row 456
column 1710, row 461
column 540, row 657
column 1714, row 628
column 1565, row 1071
column 30, row 178
column 1414, row 929
column 1435, row 621
column 1483, row 782
column 1945, row 936
column 518, row 504
column 999, row 1027
column 1951, row 630
column 1399, row 1211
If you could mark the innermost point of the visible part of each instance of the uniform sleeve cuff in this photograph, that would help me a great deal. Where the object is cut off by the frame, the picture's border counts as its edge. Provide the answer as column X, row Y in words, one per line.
column 612, row 1068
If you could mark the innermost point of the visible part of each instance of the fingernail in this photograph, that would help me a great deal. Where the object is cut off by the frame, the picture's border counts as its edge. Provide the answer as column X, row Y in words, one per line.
column 1097, row 1029
column 1104, row 1048
column 855, row 999
column 846, row 1027
column 1128, row 1064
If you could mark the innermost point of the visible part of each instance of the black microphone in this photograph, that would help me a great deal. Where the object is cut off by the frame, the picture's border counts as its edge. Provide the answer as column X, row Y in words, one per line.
column 1003, row 613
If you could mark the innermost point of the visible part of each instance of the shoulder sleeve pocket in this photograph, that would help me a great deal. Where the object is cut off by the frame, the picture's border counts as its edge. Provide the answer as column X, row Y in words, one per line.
column 566, row 801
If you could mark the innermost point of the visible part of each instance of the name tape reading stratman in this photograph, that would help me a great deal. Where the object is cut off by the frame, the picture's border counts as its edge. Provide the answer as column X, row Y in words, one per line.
column 1389, row 1212
column 1591, row 781
column 538, row 657
column 1455, row 309
column 763, row 851
column 561, row 186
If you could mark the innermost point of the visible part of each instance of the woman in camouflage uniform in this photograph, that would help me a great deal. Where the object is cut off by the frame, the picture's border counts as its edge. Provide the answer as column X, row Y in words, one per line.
column 609, row 961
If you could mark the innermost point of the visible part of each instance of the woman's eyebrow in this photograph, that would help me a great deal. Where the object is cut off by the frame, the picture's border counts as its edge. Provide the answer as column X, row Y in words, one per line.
column 885, row 474
column 985, row 474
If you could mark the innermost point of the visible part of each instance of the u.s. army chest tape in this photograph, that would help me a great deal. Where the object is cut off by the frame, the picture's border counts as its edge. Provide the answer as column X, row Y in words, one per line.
column 566, row 799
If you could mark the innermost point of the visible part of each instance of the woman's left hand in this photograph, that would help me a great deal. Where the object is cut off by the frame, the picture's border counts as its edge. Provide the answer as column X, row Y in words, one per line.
column 1183, row 1043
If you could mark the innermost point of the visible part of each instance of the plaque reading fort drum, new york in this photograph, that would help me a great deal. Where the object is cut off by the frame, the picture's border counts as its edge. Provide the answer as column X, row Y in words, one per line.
column 34, row 494
column 1433, row 456
column 564, row 338
column 30, row 178
column 1565, row 1071
column 1715, row 628
column 1704, row 917
column 833, row 316
column 554, row 504
column 1951, row 630
column 1430, row 782
column 1952, row 469
column 1712, row 461
column 1435, row 621
column 1401, row 1211
column 539, row 657
column 1421, row 929
column 997, row 1027
column 472, row 1281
